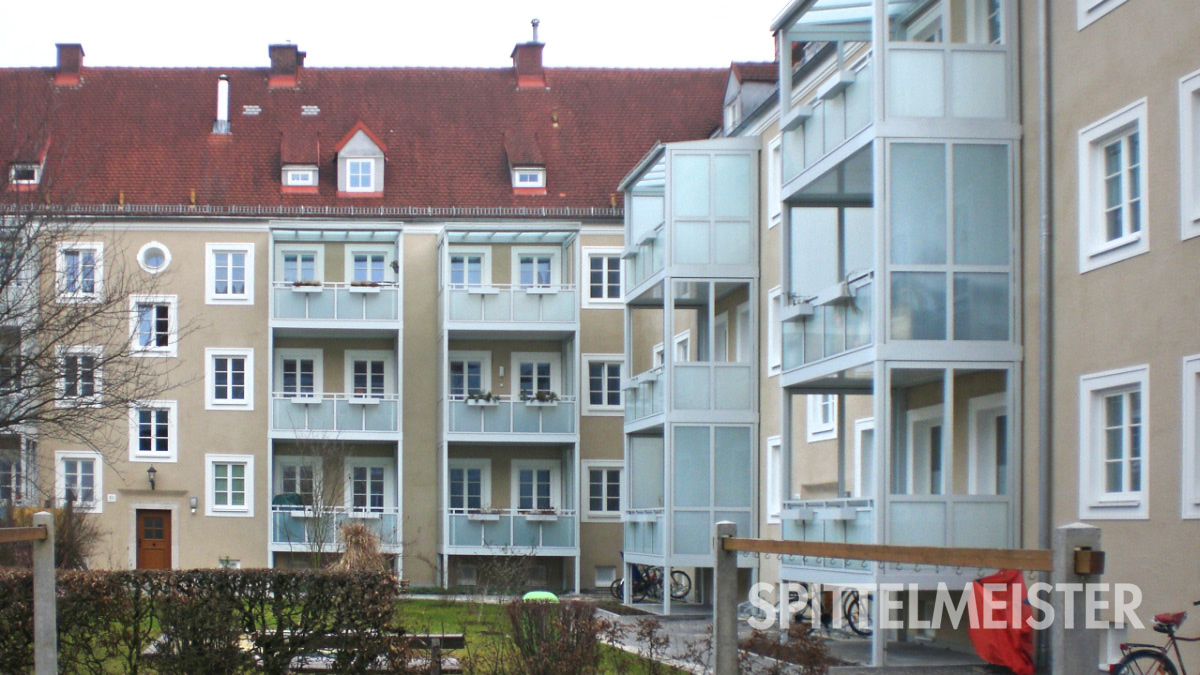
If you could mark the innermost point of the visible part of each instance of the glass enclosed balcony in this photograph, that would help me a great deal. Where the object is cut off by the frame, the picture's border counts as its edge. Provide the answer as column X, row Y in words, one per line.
column 327, row 412
column 644, row 531
column 644, row 395
column 495, row 531
column 305, row 528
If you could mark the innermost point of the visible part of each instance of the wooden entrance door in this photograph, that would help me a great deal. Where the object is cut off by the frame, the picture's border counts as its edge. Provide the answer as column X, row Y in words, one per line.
column 153, row 540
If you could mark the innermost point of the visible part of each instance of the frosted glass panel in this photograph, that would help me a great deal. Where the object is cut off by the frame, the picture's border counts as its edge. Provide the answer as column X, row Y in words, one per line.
column 691, row 243
column 918, row 524
column 918, row 306
column 981, row 205
column 980, row 306
column 645, row 213
column 918, row 178
column 693, row 533
column 733, row 243
column 733, row 467
column 814, row 135
column 858, row 101
column 859, row 226
column 733, row 191
column 793, row 153
column 915, row 83
column 814, row 337
column 692, row 475
column 858, row 317
column 977, row 84
column 732, row 388
column 835, row 122
column 814, row 260
column 646, row 472
column 691, row 388
column 980, row 525
column 689, row 185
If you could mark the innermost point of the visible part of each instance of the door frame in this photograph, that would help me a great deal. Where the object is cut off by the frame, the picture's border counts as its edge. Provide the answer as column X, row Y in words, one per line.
column 134, row 507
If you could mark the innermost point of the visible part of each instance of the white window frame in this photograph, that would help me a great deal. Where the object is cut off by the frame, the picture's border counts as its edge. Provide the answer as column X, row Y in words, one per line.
column 606, row 465
column 982, row 412
column 317, row 250
column 1189, row 155
column 1191, row 437
column 683, row 347
column 1094, row 504
column 389, row 256
column 144, row 251
column 536, row 465
column 211, row 297
column 20, row 483
column 60, row 484
column 816, row 429
column 589, row 252
column 210, row 505
column 1088, row 11
column 485, row 480
column 555, row 360
column 774, row 492
column 585, row 384
column 774, row 181
column 743, row 344
column 283, row 461
column 861, row 489
column 1095, row 250
column 522, row 173
column 485, row 266
column 172, row 303
column 485, row 367
column 720, row 338
column 172, row 454
column 318, row 359
column 933, row 416
column 389, row 369
column 389, row 481
column 15, row 167
column 350, row 164
column 657, row 355
column 210, row 380
column 97, row 292
column 97, row 376
column 555, row 254
column 300, row 175
column 774, row 358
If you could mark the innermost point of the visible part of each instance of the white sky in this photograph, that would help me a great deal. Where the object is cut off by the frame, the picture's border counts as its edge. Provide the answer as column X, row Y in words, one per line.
column 478, row 33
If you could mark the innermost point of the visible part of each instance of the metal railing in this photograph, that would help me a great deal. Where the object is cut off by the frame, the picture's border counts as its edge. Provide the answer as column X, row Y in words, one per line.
column 305, row 528
column 503, row 529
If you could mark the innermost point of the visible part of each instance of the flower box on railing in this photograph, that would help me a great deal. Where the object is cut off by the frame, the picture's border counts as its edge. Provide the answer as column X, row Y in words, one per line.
column 363, row 400
column 797, row 513
column 364, row 287
column 837, row 513
column 541, row 516
column 484, row 516
column 481, row 290
column 542, row 290
column 307, row 399
column 483, row 399
column 307, row 287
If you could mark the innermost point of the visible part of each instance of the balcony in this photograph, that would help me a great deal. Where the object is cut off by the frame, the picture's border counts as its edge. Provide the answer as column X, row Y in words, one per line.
column 644, row 395
column 844, row 521
column 644, row 531
column 826, row 124
column 335, row 301
column 470, row 419
column 509, row 303
column 713, row 386
column 298, row 528
column 840, row 325
column 507, row 531
column 335, row 413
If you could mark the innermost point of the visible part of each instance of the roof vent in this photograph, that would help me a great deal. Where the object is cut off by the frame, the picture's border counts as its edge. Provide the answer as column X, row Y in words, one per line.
column 70, row 63
column 527, row 62
column 221, row 124
column 310, row 110
column 251, row 109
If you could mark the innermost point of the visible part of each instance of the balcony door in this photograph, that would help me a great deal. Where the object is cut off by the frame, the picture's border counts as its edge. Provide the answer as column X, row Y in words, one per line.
column 536, row 485
column 537, row 268
column 370, row 484
column 298, row 372
column 370, row 373
column 926, row 456
column 537, row 373
column 470, row 485
column 470, row 373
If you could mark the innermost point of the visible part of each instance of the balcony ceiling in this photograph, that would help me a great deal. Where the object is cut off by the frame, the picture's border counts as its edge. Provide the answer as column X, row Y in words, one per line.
column 336, row 236
column 836, row 20
column 509, row 237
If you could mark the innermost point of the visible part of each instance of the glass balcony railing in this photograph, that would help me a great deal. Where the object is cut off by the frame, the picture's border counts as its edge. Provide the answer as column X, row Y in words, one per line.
column 646, row 257
column 832, row 328
column 507, row 303
column 644, row 531
column 506, row 529
column 306, row 528
column 504, row 415
column 834, row 119
column 335, row 412
column 712, row 386
column 966, row 521
column 843, row 521
column 644, row 395
column 336, row 301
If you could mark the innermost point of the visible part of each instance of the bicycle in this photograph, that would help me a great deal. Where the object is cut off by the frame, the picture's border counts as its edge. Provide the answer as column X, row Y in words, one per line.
column 854, row 610
column 648, row 582
column 1148, row 659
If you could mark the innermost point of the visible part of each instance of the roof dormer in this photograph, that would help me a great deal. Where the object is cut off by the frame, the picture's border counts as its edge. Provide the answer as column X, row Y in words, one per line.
column 360, row 163
column 24, row 172
column 299, row 157
column 525, row 163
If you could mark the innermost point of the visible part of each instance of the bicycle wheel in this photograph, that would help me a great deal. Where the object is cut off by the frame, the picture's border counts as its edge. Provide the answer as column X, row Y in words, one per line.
column 617, row 588
column 1145, row 662
column 654, row 583
column 804, row 614
column 856, row 613
column 681, row 584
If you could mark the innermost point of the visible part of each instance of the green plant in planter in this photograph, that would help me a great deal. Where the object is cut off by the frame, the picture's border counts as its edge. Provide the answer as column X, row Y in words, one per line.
column 484, row 396
column 365, row 284
column 305, row 282
column 539, row 397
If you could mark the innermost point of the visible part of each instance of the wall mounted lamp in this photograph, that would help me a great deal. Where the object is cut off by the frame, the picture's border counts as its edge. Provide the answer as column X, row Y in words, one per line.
column 192, row 502
column 151, row 473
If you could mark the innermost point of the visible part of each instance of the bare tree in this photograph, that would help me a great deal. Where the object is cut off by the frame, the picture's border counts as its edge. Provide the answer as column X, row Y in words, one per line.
column 314, row 477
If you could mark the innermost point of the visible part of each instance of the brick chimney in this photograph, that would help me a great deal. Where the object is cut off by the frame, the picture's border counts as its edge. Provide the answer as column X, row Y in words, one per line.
column 286, row 62
column 70, row 64
column 527, row 62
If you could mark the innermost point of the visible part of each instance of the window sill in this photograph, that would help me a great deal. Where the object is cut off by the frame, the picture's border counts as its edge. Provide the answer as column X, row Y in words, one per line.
column 229, row 513
column 230, row 300
column 150, row 459
column 152, row 353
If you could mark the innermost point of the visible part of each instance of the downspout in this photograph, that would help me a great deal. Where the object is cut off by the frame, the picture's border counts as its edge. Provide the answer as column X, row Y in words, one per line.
column 1045, row 301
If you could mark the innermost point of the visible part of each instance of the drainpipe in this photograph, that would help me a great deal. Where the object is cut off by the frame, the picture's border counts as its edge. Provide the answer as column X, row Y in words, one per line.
column 1045, row 298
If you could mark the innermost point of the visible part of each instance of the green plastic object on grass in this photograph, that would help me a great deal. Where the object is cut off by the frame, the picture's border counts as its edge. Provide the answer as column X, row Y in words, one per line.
column 540, row 596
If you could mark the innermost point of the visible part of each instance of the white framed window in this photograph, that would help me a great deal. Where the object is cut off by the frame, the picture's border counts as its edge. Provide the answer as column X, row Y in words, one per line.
column 774, row 331
column 24, row 174
column 1088, row 11
column 469, row 267
column 604, row 277
column 300, row 176
column 536, row 485
column 79, row 380
column 299, row 373
column 299, row 476
column 360, row 175
column 536, row 267
column 743, row 346
column 988, row 445
column 822, row 417
column 370, row 263
column 1191, row 437
column 470, row 373
column 528, row 177
column 153, row 431
column 230, row 274
column 154, row 257
column 299, row 262
column 774, row 480
column 370, row 373
column 229, row 378
column 604, row 481
column 155, row 324
column 1113, row 437
column 865, row 465
column 683, row 347
column 15, row 465
column 79, row 477
column 721, row 338
column 1189, row 154
column 80, row 271
column 369, row 484
column 470, row 484
column 658, row 355
column 230, row 485
column 926, row 452
column 603, row 384
column 774, row 181
column 537, row 372
column 1113, row 207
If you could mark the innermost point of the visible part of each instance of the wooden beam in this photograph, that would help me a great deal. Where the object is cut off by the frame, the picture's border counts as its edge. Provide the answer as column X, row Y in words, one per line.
column 982, row 558
column 9, row 535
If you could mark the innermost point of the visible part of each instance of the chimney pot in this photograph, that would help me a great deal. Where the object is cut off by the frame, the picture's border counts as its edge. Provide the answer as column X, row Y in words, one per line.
column 70, row 63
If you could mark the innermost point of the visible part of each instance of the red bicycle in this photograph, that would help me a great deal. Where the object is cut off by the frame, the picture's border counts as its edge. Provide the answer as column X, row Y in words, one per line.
column 1148, row 659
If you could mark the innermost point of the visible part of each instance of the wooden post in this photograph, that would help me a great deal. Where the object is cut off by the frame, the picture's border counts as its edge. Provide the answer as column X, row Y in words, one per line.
column 725, row 601
column 1073, row 650
column 45, row 629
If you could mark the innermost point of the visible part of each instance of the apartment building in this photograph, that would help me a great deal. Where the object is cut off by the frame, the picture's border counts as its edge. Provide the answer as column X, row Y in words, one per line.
column 388, row 297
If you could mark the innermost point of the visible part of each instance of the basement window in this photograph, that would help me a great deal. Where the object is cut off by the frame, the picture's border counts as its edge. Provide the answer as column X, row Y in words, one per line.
column 529, row 178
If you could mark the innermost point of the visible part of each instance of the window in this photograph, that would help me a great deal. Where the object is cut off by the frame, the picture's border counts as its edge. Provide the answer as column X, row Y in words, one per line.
column 230, row 379
column 230, row 480
column 467, row 269
column 774, row 479
column 369, row 373
column 822, row 417
column 535, row 485
column 230, row 274
column 470, row 373
column 775, row 182
column 1112, row 188
column 299, row 477
column 79, row 379
column 1191, row 437
column 155, row 325
column 14, row 486
column 604, row 489
column 299, row 372
column 536, row 373
column 604, row 277
column 154, row 257
column 360, row 175
column 774, row 331
column 24, row 174
column 80, row 271
column 1088, row 11
column 299, row 176
column 536, row 268
column 925, row 452
column 368, row 486
column 152, row 432
column 79, row 479
column 603, row 383
column 1189, row 153
column 470, row 485
column 529, row 177
column 1113, row 432
column 299, row 266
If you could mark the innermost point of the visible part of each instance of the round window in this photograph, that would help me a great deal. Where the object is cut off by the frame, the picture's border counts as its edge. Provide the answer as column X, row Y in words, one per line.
column 154, row 257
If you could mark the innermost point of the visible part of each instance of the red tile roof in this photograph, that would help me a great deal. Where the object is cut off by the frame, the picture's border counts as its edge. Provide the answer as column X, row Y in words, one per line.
column 756, row 71
column 147, row 132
